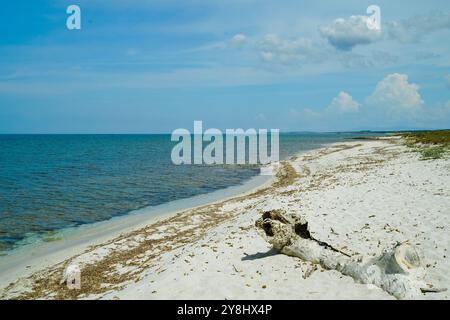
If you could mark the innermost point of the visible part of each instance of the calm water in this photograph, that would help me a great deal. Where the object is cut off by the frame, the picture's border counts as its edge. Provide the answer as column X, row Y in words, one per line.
column 50, row 182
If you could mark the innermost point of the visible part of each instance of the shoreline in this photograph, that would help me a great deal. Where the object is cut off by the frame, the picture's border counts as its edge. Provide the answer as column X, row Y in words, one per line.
column 59, row 231
column 74, row 240
column 71, row 241
column 361, row 197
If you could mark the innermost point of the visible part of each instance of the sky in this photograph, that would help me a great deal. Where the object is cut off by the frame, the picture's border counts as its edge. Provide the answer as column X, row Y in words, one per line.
column 152, row 66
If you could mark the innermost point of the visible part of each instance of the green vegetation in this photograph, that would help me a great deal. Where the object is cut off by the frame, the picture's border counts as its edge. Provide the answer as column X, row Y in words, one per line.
column 431, row 144
column 429, row 137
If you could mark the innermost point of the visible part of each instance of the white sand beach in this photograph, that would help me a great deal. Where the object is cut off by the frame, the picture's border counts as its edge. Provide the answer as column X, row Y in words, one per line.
column 359, row 196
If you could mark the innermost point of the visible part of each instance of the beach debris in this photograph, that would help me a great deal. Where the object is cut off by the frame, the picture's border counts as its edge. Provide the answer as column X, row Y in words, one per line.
column 72, row 277
column 399, row 271
column 431, row 289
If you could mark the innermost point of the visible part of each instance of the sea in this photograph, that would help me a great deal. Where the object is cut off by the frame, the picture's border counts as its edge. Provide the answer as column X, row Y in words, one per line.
column 52, row 182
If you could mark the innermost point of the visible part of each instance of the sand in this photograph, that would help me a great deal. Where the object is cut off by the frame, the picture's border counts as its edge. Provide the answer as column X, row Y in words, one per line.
column 358, row 196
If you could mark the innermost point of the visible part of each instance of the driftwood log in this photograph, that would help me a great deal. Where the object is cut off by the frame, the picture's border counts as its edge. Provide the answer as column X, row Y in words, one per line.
column 399, row 271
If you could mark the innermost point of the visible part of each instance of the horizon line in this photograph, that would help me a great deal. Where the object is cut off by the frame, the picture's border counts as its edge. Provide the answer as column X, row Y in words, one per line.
column 169, row 133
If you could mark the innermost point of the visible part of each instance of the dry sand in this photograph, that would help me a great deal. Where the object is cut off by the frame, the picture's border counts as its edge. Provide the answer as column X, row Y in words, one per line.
column 359, row 196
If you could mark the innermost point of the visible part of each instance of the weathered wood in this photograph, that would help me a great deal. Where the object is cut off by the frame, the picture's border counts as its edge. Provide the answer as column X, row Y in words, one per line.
column 399, row 271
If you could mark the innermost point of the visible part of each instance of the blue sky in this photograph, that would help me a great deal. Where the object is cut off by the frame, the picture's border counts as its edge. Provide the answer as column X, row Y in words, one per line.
column 153, row 66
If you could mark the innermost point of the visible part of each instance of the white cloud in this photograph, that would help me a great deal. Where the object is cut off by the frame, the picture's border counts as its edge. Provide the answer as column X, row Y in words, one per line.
column 414, row 28
column 267, row 56
column 276, row 49
column 375, row 58
column 238, row 39
column 344, row 103
column 395, row 92
column 344, row 34
column 394, row 104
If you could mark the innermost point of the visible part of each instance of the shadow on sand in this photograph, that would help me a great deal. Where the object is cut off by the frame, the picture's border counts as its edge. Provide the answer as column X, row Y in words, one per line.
column 260, row 255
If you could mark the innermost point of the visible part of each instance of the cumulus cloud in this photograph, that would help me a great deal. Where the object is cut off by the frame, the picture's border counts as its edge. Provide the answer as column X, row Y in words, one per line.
column 276, row 49
column 413, row 29
column 396, row 93
column 238, row 39
column 344, row 103
column 344, row 34
column 395, row 103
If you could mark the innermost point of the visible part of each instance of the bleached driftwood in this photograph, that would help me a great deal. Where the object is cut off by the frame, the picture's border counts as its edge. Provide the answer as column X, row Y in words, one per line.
column 399, row 272
column 71, row 277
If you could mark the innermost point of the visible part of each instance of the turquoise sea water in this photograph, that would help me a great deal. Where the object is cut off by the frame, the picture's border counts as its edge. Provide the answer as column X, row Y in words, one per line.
column 51, row 182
